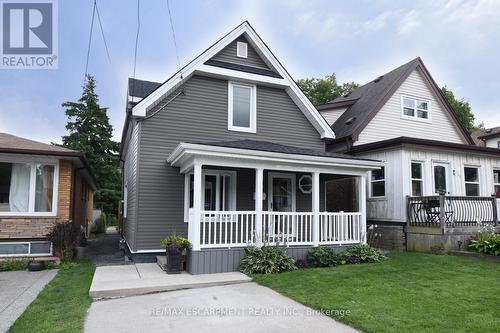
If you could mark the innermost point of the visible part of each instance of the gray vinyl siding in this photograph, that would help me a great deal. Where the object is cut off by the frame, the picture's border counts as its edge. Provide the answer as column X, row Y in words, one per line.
column 201, row 115
column 228, row 54
column 130, row 179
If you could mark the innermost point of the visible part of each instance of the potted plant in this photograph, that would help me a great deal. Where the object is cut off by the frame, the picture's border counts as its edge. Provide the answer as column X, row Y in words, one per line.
column 176, row 247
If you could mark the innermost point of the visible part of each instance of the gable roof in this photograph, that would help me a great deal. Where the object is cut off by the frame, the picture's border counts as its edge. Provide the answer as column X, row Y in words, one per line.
column 365, row 102
column 141, row 88
column 484, row 134
column 198, row 65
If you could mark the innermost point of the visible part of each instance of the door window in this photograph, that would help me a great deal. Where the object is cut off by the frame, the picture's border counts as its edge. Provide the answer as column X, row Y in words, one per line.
column 441, row 179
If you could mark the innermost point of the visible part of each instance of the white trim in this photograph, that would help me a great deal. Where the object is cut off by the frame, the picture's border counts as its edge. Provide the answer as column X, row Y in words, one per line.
column 253, row 107
column 183, row 153
column 31, row 201
column 422, row 173
column 447, row 166
column 478, row 183
column 244, row 49
column 29, row 254
column 415, row 117
column 270, row 177
column 310, row 112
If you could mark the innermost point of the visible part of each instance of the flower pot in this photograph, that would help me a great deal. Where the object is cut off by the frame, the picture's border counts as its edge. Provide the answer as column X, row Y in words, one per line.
column 174, row 263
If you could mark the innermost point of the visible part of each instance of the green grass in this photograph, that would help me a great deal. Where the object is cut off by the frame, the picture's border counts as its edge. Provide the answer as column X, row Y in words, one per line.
column 62, row 304
column 410, row 292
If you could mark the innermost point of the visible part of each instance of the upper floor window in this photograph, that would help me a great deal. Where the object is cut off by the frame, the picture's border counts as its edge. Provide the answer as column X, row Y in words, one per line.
column 417, row 179
column 27, row 189
column 471, row 178
column 378, row 182
column 241, row 49
column 415, row 108
column 242, row 107
column 498, row 144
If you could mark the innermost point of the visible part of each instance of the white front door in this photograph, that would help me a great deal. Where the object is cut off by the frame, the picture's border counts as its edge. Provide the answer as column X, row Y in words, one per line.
column 441, row 177
column 281, row 192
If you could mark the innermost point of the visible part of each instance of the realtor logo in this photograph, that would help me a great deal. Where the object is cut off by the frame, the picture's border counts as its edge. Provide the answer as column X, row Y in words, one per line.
column 29, row 34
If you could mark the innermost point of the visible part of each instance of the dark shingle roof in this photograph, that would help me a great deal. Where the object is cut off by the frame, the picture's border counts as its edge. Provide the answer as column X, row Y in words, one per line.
column 12, row 143
column 364, row 102
column 276, row 148
column 141, row 88
column 485, row 133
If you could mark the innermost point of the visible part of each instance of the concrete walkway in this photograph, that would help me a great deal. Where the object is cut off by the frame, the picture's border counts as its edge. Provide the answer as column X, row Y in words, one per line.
column 17, row 290
column 246, row 307
column 140, row 279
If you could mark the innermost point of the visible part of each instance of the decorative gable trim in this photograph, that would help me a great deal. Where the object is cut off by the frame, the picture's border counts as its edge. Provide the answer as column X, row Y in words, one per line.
column 198, row 65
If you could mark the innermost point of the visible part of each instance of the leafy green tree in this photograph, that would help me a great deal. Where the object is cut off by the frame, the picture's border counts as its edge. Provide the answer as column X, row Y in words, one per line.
column 462, row 109
column 321, row 91
column 91, row 133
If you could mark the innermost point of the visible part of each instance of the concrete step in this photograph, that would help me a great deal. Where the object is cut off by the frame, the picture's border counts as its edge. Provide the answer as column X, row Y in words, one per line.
column 141, row 279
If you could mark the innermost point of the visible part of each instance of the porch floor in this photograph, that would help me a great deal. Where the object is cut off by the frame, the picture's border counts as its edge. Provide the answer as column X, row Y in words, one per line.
column 140, row 279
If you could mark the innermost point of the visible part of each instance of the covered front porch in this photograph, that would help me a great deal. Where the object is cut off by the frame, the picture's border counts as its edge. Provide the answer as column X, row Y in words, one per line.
column 236, row 196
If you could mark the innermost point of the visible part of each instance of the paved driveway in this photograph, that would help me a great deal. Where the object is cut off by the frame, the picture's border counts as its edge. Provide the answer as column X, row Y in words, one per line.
column 245, row 307
column 17, row 290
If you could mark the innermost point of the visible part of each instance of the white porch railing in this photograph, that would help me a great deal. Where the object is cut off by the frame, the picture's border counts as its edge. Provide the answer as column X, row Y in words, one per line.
column 226, row 229
column 340, row 228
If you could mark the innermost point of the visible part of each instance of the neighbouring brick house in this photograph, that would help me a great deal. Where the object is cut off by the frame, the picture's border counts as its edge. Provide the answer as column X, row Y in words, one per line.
column 40, row 185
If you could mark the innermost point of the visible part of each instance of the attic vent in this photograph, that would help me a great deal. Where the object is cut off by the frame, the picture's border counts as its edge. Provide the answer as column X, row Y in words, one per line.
column 378, row 79
column 350, row 120
column 241, row 49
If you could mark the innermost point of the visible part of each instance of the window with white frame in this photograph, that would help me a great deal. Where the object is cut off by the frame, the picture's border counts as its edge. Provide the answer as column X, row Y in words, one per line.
column 471, row 179
column 15, row 249
column 496, row 182
column 417, row 179
column 218, row 188
column 498, row 144
column 242, row 106
column 242, row 49
column 415, row 108
column 28, row 188
column 377, row 181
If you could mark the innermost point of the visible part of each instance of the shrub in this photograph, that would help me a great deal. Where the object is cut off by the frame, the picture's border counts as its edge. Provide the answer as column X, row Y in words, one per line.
column 13, row 265
column 266, row 260
column 175, row 244
column 323, row 256
column 485, row 243
column 100, row 224
column 365, row 253
column 300, row 263
column 64, row 238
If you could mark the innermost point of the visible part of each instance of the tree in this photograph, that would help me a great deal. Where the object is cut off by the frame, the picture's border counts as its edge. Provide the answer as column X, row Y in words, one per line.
column 321, row 91
column 91, row 133
column 462, row 109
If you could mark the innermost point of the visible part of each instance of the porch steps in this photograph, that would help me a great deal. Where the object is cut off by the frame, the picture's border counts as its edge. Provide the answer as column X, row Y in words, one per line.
column 141, row 279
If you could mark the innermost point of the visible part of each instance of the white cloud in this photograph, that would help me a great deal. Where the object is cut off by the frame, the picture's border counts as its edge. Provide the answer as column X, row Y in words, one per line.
column 379, row 22
column 409, row 23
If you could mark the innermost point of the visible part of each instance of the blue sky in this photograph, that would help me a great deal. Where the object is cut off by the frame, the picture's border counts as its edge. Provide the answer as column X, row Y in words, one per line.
column 358, row 40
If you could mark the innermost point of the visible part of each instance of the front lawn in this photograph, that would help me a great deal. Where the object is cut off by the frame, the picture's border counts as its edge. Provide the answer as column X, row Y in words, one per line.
column 62, row 304
column 410, row 292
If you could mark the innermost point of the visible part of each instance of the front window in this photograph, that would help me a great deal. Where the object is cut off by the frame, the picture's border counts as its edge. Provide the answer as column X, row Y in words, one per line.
column 416, row 179
column 27, row 188
column 378, row 183
column 219, row 191
column 471, row 177
column 415, row 108
column 242, row 107
column 498, row 144
column 496, row 182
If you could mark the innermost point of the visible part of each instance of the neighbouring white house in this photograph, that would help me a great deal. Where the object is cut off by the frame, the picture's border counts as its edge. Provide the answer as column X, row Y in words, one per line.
column 488, row 137
column 402, row 118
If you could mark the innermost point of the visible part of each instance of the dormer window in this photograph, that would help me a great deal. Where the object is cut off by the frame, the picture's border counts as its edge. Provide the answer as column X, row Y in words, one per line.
column 241, row 49
column 242, row 106
column 415, row 108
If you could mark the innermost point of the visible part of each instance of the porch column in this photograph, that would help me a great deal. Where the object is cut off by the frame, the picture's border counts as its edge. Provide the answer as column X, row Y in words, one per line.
column 259, row 188
column 315, row 207
column 194, row 223
column 362, row 206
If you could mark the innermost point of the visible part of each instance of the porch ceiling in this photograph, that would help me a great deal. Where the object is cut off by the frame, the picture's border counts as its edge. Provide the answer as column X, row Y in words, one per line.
column 267, row 155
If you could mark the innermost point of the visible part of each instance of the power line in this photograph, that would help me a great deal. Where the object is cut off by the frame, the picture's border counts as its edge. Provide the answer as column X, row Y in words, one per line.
column 102, row 31
column 90, row 39
column 173, row 36
column 136, row 42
